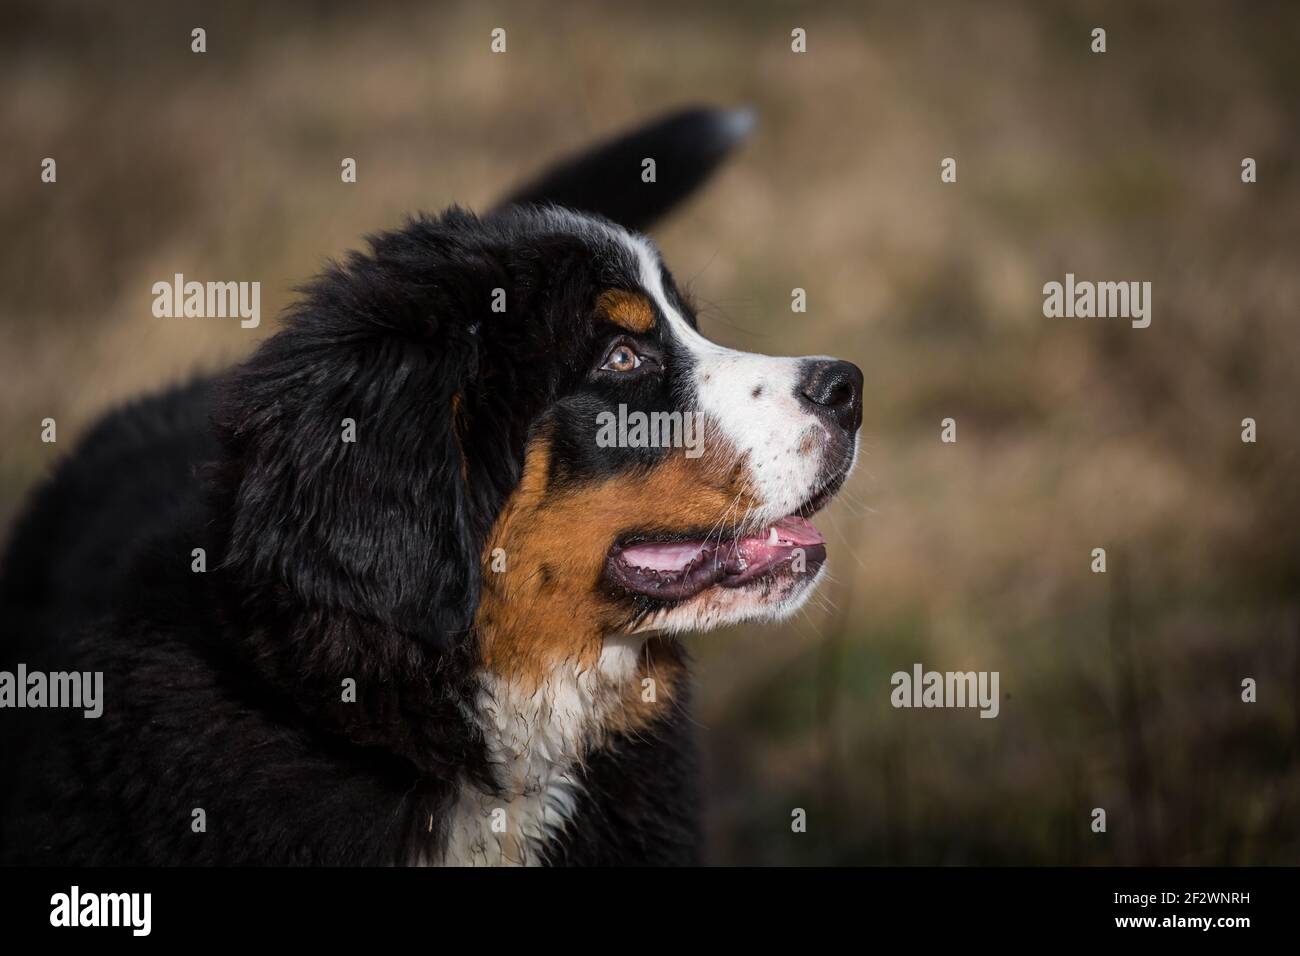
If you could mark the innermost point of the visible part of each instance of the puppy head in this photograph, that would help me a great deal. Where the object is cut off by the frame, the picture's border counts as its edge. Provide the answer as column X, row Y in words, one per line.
column 514, row 422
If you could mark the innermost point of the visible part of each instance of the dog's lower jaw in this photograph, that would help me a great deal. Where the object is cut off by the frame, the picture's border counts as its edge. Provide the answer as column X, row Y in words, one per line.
column 763, row 601
column 537, row 740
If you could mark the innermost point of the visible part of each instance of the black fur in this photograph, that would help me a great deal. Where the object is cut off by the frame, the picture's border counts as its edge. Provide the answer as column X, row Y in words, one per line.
column 326, row 561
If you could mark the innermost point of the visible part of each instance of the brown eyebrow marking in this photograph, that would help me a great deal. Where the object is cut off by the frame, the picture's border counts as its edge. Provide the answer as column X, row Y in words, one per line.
column 631, row 310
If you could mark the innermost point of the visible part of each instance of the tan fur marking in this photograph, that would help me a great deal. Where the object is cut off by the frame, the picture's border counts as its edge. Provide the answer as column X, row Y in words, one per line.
column 630, row 310
column 550, row 606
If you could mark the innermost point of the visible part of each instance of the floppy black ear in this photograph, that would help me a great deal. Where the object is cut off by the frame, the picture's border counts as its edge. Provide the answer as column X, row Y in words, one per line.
column 606, row 179
column 345, row 486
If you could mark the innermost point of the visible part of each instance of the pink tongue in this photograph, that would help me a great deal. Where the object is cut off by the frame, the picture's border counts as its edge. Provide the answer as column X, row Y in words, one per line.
column 671, row 556
column 791, row 532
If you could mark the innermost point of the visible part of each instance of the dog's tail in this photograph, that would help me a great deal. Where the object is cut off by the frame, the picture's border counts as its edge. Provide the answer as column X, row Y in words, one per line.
column 610, row 178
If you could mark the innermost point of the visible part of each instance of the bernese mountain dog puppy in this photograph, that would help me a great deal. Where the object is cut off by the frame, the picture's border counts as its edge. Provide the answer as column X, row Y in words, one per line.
column 452, row 637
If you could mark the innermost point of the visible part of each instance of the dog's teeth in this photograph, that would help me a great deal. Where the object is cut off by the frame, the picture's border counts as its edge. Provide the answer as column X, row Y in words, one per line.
column 771, row 536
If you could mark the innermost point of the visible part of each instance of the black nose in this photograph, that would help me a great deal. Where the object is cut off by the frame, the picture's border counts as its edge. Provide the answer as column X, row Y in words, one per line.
column 834, row 390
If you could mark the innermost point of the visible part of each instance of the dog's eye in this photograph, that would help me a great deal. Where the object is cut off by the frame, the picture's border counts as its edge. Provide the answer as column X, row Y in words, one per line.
column 621, row 358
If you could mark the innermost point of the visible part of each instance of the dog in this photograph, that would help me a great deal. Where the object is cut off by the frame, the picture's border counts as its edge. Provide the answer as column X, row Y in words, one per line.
column 379, row 596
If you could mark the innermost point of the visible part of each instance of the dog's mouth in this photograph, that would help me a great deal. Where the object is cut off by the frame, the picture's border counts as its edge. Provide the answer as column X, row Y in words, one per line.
column 675, row 568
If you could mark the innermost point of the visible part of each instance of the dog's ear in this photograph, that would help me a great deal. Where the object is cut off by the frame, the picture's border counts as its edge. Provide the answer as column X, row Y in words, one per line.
column 686, row 147
column 345, row 486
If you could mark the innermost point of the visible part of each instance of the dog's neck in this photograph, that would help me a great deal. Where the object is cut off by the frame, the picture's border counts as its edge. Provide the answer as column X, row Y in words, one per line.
column 538, row 735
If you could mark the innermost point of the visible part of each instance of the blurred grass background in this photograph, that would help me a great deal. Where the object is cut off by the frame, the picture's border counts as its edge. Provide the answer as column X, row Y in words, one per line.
column 1120, row 690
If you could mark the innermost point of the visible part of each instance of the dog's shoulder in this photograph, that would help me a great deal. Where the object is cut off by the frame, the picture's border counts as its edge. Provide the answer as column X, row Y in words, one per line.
column 132, row 475
column 197, row 757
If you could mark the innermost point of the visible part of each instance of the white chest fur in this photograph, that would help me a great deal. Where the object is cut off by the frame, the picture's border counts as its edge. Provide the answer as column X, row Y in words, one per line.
column 537, row 741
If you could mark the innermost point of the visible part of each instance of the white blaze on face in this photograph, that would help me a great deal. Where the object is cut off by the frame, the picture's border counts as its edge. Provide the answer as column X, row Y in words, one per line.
column 753, row 399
